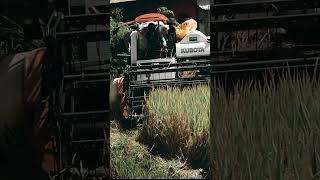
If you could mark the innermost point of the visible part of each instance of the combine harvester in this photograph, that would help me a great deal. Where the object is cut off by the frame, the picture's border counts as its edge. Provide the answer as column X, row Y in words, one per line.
column 59, row 97
column 143, row 74
column 258, row 36
column 80, row 110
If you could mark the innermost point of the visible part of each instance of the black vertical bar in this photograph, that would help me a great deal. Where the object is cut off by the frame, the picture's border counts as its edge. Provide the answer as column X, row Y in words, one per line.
column 257, row 39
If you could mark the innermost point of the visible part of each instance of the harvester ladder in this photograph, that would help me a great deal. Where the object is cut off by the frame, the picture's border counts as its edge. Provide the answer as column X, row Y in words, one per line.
column 83, row 37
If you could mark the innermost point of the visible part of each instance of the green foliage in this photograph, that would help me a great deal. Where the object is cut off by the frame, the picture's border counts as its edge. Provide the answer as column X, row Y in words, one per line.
column 165, row 11
column 118, row 32
column 117, row 14
column 119, row 37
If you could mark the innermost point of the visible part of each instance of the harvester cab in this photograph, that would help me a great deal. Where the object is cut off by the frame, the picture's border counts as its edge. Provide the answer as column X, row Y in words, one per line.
column 194, row 45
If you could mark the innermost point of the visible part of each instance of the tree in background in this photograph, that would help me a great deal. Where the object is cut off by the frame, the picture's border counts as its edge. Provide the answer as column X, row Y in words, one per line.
column 119, row 38
column 118, row 31
column 165, row 11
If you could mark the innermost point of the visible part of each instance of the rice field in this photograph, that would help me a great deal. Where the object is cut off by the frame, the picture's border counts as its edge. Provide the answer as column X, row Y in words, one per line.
column 132, row 160
column 269, row 131
column 177, row 124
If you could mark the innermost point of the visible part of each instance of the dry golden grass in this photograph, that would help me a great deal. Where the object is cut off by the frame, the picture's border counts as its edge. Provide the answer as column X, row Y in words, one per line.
column 177, row 123
column 270, row 131
column 132, row 160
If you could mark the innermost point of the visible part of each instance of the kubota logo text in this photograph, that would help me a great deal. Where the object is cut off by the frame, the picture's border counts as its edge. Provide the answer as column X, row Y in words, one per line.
column 191, row 50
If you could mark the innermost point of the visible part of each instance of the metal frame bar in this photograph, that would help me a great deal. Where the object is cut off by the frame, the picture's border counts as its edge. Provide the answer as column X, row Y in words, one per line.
column 89, row 141
column 88, row 35
column 265, row 65
column 262, row 22
column 89, row 69
column 265, row 51
column 81, row 3
column 135, row 87
column 87, row 76
column 94, row 81
column 88, row 113
column 92, row 118
column 260, row 6
column 177, row 69
column 99, row 18
column 263, row 69
column 165, row 81
column 168, row 65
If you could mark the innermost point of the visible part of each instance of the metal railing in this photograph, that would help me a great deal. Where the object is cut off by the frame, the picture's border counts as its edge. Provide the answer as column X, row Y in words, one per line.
column 161, row 76
column 81, row 100
column 252, row 37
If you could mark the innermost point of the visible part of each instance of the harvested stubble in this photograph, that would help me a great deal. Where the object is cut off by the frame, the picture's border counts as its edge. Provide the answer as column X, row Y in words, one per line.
column 268, row 132
column 131, row 160
column 177, row 124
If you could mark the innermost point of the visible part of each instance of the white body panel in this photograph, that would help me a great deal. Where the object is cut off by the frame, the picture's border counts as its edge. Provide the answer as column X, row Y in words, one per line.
column 156, row 76
column 195, row 44
column 193, row 50
column 134, row 47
